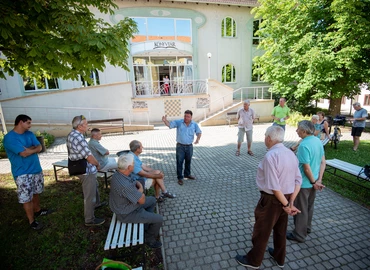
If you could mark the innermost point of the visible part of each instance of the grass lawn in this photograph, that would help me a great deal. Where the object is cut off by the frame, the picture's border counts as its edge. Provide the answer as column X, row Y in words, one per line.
column 65, row 242
column 359, row 194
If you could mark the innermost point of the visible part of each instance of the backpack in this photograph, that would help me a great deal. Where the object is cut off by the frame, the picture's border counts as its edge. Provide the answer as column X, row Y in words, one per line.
column 366, row 171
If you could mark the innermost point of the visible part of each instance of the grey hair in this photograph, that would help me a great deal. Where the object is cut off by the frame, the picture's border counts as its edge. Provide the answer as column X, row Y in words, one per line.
column 134, row 145
column 275, row 133
column 124, row 161
column 306, row 126
column 356, row 104
column 315, row 116
column 77, row 121
column 247, row 101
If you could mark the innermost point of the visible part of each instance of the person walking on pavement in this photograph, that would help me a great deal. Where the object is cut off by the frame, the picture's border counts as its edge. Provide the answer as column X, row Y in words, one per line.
column 278, row 180
column 22, row 146
column 312, row 166
column 280, row 113
column 185, row 130
column 78, row 149
column 358, row 125
column 245, row 118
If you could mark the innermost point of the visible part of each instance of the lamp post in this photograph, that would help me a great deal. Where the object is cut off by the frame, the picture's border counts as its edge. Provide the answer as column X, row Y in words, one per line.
column 209, row 55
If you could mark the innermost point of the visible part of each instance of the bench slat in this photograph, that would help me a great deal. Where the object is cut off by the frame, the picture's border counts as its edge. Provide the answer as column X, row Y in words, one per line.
column 110, row 232
column 345, row 167
column 128, row 235
column 134, row 235
column 141, row 233
column 116, row 234
column 122, row 235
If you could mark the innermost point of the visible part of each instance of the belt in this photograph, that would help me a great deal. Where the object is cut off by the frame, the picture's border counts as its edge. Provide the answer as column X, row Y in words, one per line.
column 184, row 144
column 287, row 196
column 265, row 193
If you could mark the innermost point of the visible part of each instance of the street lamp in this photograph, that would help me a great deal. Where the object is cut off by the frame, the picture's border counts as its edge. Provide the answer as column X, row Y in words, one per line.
column 209, row 55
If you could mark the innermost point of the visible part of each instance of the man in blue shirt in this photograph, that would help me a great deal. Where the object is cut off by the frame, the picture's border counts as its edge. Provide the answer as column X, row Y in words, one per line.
column 186, row 128
column 358, row 125
column 22, row 147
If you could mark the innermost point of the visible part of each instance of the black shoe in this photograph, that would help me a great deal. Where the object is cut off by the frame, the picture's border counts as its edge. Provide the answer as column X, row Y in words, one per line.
column 36, row 225
column 43, row 212
column 291, row 237
column 168, row 195
column 96, row 222
column 271, row 252
column 191, row 177
column 154, row 245
column 159, row 199
column 242, row 260
column 102, row 204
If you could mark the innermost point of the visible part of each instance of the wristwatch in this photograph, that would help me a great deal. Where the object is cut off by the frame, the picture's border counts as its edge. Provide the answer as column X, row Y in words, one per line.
column 288, row 204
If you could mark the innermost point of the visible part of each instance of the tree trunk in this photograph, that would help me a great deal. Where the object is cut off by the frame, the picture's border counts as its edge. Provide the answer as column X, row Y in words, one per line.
column 334, row 106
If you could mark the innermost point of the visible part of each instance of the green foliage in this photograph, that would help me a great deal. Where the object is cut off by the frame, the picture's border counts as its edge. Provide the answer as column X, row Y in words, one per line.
column 314, row 49
column 296, row 117
column 2, row 149
column 48, row 138
column 61, row 39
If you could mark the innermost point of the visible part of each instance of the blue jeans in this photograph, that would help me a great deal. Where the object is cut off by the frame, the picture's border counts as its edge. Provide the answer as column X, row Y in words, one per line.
column 276, row 124
column 183, row 152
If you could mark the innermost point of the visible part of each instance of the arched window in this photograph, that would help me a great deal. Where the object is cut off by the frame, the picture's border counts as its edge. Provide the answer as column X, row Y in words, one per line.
column 228, row 73
column 228, row 27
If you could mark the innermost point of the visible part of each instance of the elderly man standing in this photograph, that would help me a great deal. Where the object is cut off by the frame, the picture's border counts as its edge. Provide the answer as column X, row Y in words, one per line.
column 245, row 118
column 141, row 172
column 78, row 149
column 100, row 152
column 185, row 130
column 128, row 201
column 358, row 125
column 280, row 113
column 279, row 180
column 312, row 166
column 22, row 147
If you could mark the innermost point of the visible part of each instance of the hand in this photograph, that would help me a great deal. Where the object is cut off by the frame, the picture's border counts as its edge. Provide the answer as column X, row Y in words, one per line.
column 318, row 186
column 196, row 142
column 164, row 118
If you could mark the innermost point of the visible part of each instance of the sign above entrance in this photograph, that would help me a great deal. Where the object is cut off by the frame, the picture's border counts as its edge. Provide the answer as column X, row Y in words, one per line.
column 161, row 48
column 165, row 45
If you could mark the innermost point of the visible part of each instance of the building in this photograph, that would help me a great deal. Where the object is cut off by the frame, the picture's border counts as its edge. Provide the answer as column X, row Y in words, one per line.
column 195, row 55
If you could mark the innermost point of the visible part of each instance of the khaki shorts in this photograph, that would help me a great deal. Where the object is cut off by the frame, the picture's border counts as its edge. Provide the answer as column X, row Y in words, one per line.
column 248, row 134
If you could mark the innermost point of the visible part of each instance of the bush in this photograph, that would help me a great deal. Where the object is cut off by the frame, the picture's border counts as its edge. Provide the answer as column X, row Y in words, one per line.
column 296, row 117
column 2, row 149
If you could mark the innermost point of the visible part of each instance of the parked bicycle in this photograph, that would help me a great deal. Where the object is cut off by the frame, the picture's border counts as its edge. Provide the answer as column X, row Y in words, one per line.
column 335, row 138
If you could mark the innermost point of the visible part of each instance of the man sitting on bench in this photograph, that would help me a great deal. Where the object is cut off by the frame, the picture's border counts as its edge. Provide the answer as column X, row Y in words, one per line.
column 128, row 202
column 141, row 172
column 100, row 153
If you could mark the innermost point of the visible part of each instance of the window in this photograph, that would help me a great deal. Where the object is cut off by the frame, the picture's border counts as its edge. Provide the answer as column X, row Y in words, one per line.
column 32, row 84
column 94, row 77
column 228, row 73
column 367, row 100
column 165, row 29
column 228, row 27
column 256, row 76
column 256, row 27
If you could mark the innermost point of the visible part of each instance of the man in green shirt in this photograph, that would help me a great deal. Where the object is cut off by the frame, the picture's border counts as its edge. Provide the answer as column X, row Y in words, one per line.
column 280, row 113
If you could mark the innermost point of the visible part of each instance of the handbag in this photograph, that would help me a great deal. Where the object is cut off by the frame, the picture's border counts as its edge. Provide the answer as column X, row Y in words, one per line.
column 366, row 171
column 77, row 167
column 110, row 264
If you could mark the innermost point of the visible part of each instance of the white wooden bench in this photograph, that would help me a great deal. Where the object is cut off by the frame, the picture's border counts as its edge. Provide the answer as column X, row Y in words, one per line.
column 124, row 234
column 335, row 164
column 63, row 164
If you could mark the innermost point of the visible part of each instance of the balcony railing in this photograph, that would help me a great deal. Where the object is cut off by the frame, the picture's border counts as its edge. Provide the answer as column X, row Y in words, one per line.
column 174, row 88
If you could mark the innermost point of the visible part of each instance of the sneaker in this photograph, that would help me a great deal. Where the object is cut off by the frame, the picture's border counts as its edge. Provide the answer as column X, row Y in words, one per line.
column 242, row 260
column 271, row 252
column 102, row 204
column 154, row 245
column 191, row 177
column 96, row 222
column 36, row 225
column 168, row 195
column 43, row 212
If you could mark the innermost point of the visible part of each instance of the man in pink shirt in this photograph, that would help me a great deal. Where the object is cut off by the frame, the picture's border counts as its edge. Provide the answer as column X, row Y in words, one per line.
column 279, row 181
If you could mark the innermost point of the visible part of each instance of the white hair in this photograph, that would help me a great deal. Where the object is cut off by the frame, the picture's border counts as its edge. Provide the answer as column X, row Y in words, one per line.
column 315, row 116
column 124, row 161
column 247, row 101
column 275, row 133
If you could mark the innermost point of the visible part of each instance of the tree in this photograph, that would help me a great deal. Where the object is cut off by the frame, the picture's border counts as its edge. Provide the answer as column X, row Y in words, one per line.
column 60, row 38
column 315, row 48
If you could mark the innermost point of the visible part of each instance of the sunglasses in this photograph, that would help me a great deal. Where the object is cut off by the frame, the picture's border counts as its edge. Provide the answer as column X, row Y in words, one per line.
column 82, row 118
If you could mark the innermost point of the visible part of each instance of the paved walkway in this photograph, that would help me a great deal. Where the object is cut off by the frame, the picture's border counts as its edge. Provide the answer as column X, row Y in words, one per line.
column 212, row 218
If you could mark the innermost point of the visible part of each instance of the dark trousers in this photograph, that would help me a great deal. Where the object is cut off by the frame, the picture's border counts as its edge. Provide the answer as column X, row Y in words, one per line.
column 269, row 215
column 144, row 214
column 183, row 153
column 302, row 222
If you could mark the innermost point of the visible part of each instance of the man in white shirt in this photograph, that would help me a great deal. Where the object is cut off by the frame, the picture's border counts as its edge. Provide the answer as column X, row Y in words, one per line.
column 245, row 118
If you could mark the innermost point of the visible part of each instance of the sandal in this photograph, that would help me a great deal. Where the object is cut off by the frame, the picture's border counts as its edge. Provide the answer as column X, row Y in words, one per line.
column 250, row 153
column 237, row 153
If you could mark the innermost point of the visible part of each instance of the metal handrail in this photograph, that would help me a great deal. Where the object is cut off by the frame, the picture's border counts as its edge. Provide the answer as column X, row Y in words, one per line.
column 64, row 115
